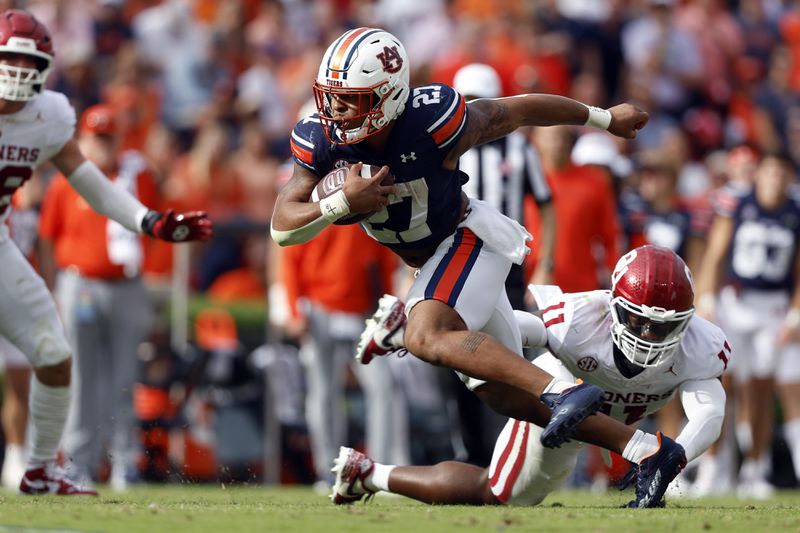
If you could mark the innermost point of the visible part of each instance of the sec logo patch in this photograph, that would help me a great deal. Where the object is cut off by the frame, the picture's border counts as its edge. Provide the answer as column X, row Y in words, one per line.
column 587, row 364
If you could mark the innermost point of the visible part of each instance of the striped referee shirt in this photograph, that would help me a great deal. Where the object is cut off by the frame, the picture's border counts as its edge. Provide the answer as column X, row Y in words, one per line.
column 501, row 172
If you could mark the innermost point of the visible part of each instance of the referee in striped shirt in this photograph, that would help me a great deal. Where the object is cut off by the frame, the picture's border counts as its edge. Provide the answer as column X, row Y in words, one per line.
column 502, row 172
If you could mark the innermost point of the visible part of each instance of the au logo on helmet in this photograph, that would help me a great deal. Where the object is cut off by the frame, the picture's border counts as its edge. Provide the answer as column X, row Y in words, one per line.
column 391, row 59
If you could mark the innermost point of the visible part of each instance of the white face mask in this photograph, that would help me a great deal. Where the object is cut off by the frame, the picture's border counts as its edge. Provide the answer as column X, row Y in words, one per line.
column 631, row 323
column 20, row 84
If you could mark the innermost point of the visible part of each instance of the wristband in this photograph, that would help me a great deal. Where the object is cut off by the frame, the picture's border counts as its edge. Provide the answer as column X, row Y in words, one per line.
column 598, row 118
column 334, row 206
column 148, row 221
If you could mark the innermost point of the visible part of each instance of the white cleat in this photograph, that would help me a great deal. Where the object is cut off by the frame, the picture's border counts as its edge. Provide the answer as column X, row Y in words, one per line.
column 351, row 468
column 388, row 320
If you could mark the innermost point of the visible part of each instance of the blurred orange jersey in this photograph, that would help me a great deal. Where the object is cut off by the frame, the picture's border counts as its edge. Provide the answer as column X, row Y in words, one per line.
column 342, row 269
column 586, row 227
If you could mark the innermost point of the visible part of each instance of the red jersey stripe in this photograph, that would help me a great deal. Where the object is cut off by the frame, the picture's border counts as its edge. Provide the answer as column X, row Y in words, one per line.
column 450, row 127
column 724, row 358
column 554, row 307
column 553, row 321
column 301, row 153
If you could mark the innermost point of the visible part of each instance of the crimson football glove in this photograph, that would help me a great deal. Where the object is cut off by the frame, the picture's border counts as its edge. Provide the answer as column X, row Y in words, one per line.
column 178, row 227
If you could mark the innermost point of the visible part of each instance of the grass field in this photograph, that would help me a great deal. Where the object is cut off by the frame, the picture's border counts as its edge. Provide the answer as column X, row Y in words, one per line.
column 155, row 509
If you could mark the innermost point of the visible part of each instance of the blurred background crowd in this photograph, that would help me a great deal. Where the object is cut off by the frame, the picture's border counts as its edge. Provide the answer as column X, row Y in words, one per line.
column 231, row 379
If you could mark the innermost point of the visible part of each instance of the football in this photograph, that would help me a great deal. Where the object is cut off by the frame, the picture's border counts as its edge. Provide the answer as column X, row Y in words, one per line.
column 334, row 181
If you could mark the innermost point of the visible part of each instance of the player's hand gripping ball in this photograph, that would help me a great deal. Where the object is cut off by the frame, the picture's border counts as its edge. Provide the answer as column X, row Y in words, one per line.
column 334, row 181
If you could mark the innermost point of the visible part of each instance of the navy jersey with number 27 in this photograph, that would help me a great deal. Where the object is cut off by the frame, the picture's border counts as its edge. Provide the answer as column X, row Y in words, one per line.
column 425, row 207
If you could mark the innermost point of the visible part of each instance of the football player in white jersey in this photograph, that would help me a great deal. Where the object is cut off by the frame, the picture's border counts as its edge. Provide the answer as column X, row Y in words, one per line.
column 640, row 342
column 37, row 125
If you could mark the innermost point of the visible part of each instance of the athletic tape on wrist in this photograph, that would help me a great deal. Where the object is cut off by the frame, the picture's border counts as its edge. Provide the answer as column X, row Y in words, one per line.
column 598, row 118
column 334, row 206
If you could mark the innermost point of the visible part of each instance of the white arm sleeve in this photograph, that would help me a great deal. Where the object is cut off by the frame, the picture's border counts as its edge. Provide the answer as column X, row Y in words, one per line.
column 299, row 235
column 107, row 198
column 531, row 328
column 704, row 404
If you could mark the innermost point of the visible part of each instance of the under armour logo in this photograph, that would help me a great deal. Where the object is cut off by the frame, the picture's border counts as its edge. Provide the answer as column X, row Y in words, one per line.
column 410, row 157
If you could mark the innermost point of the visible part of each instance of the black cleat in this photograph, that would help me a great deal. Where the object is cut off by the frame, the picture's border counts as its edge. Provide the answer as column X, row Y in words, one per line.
column 656, row 472
column 569, row 408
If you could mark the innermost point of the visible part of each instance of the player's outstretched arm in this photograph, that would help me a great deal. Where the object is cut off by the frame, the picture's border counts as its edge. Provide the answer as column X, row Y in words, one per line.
column 492, row 118
column 704, row 404
column 118, row 204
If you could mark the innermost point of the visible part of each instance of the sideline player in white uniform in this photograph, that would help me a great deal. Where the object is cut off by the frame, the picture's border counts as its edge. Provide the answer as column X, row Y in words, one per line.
column 39, row 125
column 639, row 342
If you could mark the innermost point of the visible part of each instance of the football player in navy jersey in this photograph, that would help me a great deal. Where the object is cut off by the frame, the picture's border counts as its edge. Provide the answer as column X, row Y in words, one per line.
column 656, row 214
column 753, row 254
column 458, row 314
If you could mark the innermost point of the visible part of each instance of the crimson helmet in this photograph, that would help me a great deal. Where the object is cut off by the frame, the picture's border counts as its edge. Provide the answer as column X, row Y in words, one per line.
column 652, row 300
column 21, row 33
column 370, row 64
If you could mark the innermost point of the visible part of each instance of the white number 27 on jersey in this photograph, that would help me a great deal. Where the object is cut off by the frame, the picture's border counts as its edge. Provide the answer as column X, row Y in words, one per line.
column 425, row 95
column 399, row 229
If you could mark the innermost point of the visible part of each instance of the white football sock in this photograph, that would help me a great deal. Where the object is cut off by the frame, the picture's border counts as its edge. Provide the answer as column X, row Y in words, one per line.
column 49, row 407
column 379, row 479
column 791, row 431
column 641, row 446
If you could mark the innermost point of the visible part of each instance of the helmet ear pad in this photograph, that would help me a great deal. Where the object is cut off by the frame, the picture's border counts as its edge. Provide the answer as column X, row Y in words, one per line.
column 364, row 61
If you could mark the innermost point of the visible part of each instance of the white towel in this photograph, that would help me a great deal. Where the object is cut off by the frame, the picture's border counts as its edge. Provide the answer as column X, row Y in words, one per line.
column 504, row 235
